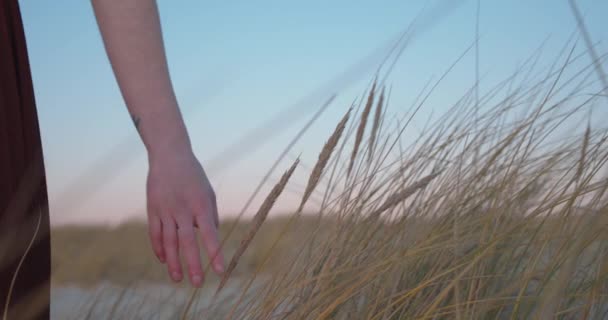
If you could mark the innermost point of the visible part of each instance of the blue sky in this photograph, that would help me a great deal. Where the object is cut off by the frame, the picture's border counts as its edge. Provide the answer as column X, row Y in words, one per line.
column 236, row 63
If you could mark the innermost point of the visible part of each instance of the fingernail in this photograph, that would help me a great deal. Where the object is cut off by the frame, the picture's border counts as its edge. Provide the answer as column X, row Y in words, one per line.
column 197, row 280
column 219, row 267
column 176, row 276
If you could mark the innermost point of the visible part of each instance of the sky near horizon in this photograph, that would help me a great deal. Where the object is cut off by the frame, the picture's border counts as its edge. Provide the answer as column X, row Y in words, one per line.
column 235, row 64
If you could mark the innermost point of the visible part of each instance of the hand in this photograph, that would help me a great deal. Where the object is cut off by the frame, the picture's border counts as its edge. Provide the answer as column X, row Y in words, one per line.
column 180, row 199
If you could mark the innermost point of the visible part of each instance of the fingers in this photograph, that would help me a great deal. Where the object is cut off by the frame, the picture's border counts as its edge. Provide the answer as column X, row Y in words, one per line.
column 190, row 250
column 155, row 231
column 210, row 239
column 171, row 247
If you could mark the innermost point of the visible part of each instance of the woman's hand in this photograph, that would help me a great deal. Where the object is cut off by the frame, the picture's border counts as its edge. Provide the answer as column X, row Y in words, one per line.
column 180, row 197
column 181, row 201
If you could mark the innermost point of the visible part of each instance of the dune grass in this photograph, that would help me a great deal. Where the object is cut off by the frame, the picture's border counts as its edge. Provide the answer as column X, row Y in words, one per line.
column 496, row 209
column 502, row 215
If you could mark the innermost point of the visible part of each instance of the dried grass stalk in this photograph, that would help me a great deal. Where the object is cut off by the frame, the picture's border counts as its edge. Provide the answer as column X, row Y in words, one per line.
column 362, row 125
column 402, row 195
column 375, row 126
column 324, row 157
column 258, row 220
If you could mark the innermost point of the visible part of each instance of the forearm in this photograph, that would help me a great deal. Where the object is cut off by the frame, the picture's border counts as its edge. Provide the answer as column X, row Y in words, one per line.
column 132, row 37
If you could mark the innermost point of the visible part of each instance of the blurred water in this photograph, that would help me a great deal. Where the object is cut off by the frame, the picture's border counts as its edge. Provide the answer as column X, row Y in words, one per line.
column 143, row 301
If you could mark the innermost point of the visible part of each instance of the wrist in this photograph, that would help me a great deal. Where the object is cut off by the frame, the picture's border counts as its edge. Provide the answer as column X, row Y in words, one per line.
column 168, row 143
column 162, row 129
column 169, row 148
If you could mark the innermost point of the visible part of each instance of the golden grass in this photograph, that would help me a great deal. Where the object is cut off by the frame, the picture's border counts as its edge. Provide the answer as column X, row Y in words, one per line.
column 362, row 125
column 258, row 220
column 513, row 227
column 376, row 125
column 496, row 210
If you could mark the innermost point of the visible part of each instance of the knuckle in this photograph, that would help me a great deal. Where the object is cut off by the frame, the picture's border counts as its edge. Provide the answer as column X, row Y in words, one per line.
column 171, row 241
column 188, row 242
column 208, row 238
column 208, row 227
column 186, row 235
column 173, row 262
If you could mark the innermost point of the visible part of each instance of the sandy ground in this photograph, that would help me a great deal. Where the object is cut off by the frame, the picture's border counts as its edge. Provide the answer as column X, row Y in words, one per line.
column 143, row 301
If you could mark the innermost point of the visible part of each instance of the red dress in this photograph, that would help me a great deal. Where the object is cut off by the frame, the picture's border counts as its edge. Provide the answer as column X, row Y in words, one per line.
column 25, row 260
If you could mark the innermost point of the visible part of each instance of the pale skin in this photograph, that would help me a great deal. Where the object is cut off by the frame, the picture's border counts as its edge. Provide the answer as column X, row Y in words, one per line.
column 181, row 202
